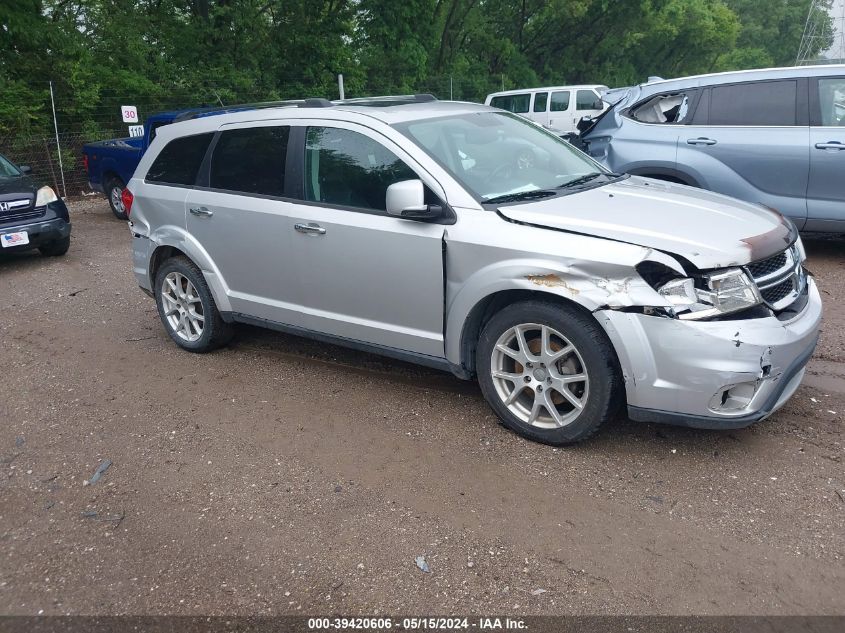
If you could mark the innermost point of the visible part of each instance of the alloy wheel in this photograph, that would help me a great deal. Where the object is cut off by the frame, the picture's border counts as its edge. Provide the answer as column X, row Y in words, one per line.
column 539, row 375
column 182, row 307
column 117, row 199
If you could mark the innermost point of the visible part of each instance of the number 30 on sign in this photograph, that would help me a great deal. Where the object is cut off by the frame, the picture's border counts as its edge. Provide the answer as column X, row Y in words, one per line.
column 129, row 113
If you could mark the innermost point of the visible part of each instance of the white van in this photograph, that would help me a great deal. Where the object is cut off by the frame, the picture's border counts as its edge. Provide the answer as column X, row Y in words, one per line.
column 558, row 108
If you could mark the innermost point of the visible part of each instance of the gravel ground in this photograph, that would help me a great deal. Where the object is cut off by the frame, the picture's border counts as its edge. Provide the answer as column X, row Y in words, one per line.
column 281, row 476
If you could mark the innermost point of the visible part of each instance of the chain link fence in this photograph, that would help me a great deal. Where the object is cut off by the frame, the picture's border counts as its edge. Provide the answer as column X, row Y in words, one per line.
column 41, row 153
column 52, row 147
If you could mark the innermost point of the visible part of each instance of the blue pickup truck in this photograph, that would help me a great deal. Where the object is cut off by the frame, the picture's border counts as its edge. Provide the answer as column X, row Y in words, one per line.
column 110, row 164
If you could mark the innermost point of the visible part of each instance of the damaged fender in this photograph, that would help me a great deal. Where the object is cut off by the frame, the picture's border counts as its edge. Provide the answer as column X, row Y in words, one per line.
column 594, row 285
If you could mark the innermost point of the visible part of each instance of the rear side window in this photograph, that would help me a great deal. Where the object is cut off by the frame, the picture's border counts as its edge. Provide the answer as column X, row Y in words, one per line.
column 760, row 103
column 541, row 101
column 560, row 101
column 666, row 108
column 587, row 100
column 517, row 104
column 832, row 101
column 349, row 169
column 251, row 160
column 179, row 162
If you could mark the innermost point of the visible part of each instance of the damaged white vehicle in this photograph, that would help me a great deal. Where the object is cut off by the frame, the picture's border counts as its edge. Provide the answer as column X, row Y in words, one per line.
column 466, row 238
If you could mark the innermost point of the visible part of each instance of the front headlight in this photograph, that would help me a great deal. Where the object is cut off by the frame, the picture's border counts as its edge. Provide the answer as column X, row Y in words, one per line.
column 799, row 246
column 45, row 196
column 711, row 295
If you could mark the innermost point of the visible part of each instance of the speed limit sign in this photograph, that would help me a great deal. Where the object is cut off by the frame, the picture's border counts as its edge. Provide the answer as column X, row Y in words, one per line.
column 129, row 113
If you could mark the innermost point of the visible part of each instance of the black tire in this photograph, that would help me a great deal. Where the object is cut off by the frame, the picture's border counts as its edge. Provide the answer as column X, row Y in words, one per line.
column 600, row 365
column 55, row 249
column 215, row 332
column 112, row 185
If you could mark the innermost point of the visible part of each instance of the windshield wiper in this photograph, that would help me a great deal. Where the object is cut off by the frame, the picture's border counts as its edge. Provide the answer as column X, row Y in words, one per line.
column 522, row 195
column 582, row 179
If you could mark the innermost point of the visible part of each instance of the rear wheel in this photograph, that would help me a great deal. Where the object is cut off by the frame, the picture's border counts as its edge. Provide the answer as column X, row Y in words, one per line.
column 55, row 249
column 187, row 309
column 114, row 188
column 548, row 371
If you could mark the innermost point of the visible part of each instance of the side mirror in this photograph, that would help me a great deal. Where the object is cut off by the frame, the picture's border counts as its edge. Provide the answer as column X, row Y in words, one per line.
column 406, row 199
column 25, row 169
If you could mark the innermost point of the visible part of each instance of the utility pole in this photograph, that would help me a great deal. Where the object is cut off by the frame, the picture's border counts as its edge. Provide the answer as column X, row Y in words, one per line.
column 58, row 145
column 814, row 43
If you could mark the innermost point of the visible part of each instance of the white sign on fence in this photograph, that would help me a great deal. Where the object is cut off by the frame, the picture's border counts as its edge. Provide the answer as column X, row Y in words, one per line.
column 136, row 131
column 130, row 114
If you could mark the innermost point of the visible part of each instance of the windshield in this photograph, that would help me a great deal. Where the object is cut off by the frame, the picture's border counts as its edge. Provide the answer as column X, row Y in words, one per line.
column 7, row 169
column 500, row 157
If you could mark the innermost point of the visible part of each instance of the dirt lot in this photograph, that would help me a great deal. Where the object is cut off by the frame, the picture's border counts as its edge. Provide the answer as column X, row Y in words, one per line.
column 283, row 476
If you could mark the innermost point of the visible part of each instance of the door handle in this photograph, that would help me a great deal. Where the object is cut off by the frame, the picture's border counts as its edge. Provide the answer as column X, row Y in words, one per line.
column 203, row 211
column 700, row 141
column 831, row 145
column 310, row 228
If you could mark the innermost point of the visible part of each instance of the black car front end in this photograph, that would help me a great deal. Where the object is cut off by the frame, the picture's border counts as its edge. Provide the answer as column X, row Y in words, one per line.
column 31, row 216
column 24, row 227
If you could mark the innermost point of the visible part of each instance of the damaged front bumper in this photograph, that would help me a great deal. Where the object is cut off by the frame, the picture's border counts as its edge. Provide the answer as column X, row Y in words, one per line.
column 712, row 374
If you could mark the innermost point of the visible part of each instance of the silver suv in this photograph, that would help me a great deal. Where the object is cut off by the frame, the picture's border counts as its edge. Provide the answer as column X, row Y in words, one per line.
column 411, row 230
column 774, row 137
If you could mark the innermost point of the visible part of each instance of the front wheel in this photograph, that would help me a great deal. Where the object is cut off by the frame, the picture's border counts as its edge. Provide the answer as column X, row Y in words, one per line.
column 56, row 248
column 114, row 190
column 548, row 371
column 187, row 309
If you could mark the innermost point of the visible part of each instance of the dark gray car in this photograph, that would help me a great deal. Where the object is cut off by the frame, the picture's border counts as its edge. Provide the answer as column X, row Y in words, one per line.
column 774, row 137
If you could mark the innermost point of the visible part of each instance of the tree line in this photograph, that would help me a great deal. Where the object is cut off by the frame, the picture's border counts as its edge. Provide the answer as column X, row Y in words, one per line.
column 101, row 54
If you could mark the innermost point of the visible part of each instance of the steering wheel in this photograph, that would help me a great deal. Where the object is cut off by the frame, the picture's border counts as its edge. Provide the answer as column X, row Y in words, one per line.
column 502, row 171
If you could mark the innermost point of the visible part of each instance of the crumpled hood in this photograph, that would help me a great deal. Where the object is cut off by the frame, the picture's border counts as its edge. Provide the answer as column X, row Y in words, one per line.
column 708, row 229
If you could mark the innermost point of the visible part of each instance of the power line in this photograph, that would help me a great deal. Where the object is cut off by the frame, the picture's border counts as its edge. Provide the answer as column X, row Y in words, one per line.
column 813, row 48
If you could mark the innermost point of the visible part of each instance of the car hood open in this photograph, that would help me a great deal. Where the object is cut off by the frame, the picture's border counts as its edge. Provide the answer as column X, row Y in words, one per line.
column 708, row 229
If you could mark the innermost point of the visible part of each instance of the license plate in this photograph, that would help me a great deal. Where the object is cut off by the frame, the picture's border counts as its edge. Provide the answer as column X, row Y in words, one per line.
column 14, row 239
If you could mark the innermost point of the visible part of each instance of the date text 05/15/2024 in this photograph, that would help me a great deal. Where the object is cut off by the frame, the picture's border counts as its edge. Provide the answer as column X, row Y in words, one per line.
column 414, row 624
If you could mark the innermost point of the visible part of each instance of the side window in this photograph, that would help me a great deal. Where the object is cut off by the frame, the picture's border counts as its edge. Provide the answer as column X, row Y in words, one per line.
column 832, row 101
column 251, row 160
column 349, row 169
column 760, row 103
column 587, row 100
column 560, row 101
column 180, row 160
column 666, row 108
column 541, row 101
column 518, row 104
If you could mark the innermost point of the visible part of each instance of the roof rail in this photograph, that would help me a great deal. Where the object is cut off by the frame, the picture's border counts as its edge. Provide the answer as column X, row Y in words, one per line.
column 388, row 100
column 210, row 111
column 315, row 103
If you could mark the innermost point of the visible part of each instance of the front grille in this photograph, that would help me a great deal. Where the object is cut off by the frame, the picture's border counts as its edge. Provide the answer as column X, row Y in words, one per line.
column 18, row 216
column 780, row 278
column 774, row 294
column 767, row 266
column 15, row 210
